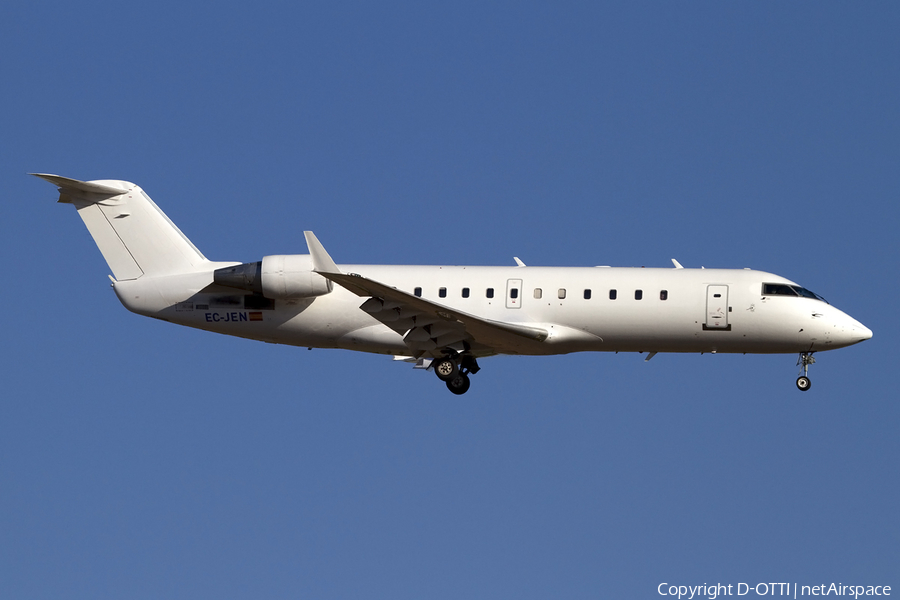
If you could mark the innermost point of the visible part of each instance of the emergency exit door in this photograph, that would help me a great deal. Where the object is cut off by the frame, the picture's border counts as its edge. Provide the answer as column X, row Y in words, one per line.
column 717, row 307
column 513, row 293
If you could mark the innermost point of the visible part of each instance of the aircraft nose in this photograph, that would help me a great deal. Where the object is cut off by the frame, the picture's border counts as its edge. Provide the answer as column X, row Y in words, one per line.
column 854, row 332
column 860, row 333
column 846, row 331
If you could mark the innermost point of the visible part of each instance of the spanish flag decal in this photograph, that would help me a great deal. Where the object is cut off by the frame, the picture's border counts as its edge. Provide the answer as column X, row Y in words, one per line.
column 256, row 316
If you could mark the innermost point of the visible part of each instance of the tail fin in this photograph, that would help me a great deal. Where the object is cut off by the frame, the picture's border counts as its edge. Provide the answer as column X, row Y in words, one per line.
column 135, row 237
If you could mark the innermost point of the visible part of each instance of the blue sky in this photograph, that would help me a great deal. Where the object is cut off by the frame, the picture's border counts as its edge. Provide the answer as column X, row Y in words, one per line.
column 143, row 460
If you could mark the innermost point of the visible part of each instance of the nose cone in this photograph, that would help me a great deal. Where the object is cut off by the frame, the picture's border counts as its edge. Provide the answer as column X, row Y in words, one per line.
column 859, row 333
column 849, row 331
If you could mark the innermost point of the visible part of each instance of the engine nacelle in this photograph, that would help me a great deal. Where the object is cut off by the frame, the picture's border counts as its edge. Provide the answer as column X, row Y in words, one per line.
column 291, row 276
column 277, row 277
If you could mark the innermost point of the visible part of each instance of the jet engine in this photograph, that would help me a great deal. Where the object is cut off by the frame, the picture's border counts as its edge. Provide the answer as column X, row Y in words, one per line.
column 277, row 277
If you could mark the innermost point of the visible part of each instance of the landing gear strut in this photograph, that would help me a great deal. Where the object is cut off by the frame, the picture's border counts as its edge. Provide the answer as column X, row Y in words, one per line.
column 454, row 371
column 806, row 359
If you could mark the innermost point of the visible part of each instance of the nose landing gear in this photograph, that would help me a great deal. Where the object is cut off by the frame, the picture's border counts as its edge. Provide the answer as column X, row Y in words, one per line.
column 806, row 359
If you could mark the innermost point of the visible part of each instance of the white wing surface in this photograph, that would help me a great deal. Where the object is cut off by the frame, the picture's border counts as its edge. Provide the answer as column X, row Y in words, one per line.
column 427, row 327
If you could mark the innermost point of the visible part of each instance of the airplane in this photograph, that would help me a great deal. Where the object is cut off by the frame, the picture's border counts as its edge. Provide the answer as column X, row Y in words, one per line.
column 445, row 318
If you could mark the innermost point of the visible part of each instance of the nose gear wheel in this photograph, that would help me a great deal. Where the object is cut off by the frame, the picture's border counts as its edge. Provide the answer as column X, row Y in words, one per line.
column 806, row 359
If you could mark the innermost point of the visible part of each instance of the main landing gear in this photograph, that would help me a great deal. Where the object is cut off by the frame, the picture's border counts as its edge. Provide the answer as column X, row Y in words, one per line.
column 454, row 371
column 806, row 359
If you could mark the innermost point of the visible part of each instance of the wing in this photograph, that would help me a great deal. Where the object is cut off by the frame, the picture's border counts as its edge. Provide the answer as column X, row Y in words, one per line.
column 427, row 327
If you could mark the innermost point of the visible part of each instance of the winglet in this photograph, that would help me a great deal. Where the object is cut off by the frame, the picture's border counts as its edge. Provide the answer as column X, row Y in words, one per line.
column 322, row 262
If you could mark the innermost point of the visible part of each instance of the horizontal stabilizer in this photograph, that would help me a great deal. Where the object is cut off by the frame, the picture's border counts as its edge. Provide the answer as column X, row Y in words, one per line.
column 65, row 183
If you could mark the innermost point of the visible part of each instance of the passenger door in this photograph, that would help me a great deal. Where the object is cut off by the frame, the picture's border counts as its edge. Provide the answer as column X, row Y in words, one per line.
column 717, row 307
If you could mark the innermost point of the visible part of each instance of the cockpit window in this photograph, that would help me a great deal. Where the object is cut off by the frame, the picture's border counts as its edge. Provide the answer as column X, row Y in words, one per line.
column 777, row 289
column 782, row 289
column 808, row 294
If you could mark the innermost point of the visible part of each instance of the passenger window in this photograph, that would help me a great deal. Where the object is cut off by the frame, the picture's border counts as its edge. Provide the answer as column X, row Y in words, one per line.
column 538, row 293
column 442, row 292
column 612, row 294
column 562, row 293
column 489, row 293
column 418, row 292
column 514, row 293
column 664, row 294
column 587, row 294
column 638, row 294
column 465, row 292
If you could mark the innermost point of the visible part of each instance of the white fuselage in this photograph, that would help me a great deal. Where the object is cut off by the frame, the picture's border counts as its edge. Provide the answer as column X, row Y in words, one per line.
column 445, row 318
column 653, row 310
